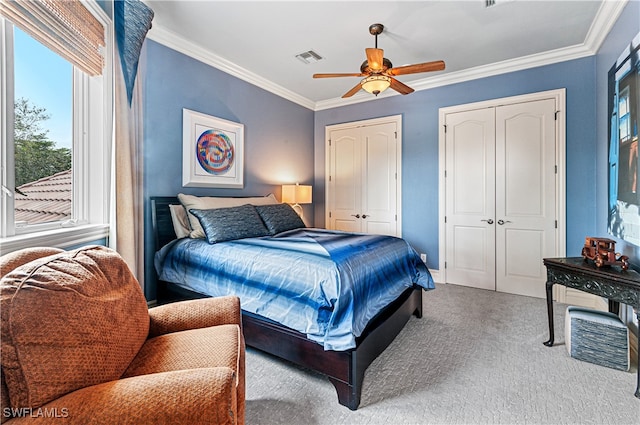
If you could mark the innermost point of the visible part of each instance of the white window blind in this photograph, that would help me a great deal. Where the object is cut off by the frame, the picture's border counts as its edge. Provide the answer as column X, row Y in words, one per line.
column 64, row 26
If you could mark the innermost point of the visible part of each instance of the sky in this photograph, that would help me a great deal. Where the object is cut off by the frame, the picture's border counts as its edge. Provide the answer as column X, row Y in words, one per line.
column 44, row 78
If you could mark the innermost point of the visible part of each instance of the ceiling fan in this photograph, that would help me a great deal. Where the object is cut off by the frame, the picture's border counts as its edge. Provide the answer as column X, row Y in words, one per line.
column 379, row 72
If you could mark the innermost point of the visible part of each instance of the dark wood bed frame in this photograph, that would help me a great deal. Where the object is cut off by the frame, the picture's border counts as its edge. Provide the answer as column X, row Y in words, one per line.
column 345, row 369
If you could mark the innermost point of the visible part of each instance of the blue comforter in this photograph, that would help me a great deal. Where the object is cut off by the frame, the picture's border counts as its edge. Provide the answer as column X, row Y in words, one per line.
column 323, row 283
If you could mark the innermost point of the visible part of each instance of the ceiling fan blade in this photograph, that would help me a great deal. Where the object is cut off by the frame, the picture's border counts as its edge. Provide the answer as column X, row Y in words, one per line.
column 338, row 75
column 418, row 67
column 353, row 91
column 375, row 58
column 400, row 87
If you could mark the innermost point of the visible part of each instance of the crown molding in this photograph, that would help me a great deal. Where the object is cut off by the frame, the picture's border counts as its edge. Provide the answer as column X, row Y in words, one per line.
column 604, row 20
column 180, row 44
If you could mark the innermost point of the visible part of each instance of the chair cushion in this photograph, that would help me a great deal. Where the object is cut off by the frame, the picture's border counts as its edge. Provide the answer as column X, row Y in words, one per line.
column 69, row 321
column 190, row 349
column 9, row 262
column 15, row 259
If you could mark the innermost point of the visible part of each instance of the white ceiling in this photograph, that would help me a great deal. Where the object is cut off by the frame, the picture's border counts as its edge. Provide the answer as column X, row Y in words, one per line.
column 257, row 41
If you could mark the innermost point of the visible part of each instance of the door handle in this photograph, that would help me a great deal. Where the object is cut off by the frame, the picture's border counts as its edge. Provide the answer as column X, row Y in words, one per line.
column 501, row 222
column 364, row 216
column 490, row 221
column 355, row 215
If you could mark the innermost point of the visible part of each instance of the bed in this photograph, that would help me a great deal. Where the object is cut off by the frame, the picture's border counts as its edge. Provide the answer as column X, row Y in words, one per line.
column 322, row 329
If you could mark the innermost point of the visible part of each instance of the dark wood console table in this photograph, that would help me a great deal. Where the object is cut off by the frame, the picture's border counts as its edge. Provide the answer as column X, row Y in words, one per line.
column 613, row 283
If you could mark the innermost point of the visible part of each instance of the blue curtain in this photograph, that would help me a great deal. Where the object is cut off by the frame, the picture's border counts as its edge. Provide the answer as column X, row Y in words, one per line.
column 132, row 20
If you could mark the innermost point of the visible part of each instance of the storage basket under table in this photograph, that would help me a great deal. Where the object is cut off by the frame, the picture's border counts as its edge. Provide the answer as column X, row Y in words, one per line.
column 597, row 337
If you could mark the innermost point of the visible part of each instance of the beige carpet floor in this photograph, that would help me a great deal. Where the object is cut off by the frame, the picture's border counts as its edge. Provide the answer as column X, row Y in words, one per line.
column 476, row 357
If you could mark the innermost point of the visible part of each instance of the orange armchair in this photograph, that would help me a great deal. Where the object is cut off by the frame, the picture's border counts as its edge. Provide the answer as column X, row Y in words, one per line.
column 80, row 346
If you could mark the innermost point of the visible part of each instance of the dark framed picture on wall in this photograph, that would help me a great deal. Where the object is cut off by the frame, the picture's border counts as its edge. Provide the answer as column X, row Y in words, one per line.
column 624, row 118
column 212, row 151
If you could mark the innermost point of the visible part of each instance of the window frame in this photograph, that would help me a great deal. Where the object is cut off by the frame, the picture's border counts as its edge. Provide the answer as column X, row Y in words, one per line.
column 92, row 141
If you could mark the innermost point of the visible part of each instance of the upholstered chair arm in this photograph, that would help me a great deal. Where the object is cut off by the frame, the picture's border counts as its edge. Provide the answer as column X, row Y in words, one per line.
column 194, row 314
column 194, row 396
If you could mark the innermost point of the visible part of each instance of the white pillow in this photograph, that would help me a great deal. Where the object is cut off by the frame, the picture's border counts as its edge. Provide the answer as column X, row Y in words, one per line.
column 210, row 203
column 180, row 221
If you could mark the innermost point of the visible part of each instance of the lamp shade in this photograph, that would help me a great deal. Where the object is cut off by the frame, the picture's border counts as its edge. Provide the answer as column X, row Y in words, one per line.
column 376, row 84
column 296, row 194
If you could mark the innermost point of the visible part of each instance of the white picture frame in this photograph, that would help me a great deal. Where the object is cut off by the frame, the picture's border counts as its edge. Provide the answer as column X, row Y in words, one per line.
column 212, row 151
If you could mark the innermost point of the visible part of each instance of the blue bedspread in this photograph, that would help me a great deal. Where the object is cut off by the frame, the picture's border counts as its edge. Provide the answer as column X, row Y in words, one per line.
column 323, row 283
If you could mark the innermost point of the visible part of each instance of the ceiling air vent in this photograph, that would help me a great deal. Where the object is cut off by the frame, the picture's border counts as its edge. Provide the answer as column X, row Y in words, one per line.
column 309, row 57
column 489, row 3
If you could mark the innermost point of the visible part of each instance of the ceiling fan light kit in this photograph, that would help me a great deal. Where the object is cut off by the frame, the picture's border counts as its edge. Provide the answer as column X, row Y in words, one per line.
column 376, row 84
column 379, row 72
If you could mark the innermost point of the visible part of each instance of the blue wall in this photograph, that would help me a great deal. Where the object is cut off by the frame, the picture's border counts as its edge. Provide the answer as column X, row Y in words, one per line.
column 619, row 37
column 278, row 133
column 420, row 144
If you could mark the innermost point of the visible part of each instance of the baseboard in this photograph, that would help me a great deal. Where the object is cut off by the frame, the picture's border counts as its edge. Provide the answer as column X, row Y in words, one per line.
column 435, row 274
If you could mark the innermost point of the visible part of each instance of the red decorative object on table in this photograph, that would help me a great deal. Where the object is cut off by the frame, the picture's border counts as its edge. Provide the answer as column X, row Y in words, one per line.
column 603, row 252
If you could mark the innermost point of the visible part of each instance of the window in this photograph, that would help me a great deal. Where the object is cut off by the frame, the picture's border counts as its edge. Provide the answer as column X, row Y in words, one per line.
column 624, row 112
column 43, row 128
column 55, row 123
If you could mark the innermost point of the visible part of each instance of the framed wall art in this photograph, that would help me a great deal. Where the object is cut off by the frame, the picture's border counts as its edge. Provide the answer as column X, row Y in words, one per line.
column 624, row 118
column 212, row 151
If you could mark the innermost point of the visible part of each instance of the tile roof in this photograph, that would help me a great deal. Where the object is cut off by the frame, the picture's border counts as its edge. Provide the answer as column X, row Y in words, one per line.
column 46, row 200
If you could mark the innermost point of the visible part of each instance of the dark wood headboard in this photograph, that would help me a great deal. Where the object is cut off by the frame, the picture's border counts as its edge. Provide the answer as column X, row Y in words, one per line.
column 162, row 225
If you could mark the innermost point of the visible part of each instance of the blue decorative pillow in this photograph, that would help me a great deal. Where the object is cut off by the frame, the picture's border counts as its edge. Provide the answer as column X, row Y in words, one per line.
column 226, row 224
column 279, row 218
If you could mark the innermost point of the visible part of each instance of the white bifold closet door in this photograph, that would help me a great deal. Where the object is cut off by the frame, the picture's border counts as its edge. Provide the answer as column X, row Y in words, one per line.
column 362, row 184
column 501, row 196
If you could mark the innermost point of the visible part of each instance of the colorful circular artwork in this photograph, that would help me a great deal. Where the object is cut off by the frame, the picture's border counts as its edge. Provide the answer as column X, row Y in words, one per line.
column 215, row 152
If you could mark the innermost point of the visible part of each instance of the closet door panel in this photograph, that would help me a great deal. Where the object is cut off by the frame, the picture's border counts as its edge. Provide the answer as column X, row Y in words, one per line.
column 379, row 176
column 346, row 178
column 470, row 194
column 525, row 195
column 517, row 261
